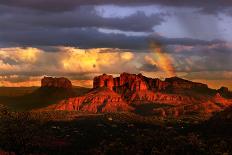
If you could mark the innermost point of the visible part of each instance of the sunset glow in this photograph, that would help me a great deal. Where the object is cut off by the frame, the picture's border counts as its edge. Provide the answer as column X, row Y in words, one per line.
column 162, row 60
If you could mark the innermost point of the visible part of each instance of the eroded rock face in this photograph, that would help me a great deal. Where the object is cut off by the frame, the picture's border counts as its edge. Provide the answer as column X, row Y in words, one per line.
column 154, row 84
column 144, row 97
column 103, row 81
column 133, row 82
column 56, row 82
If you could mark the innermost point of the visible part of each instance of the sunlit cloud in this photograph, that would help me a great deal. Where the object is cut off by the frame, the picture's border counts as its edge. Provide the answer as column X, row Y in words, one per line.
column 92, row 60
column 127, row 56
column 26, row 55
column 18, row 81
column 26, row 66
column 74, row 63
column 5, row 66
column 160, row 59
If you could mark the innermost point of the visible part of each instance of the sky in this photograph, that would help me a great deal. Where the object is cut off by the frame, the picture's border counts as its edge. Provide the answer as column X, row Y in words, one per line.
column 80, row 39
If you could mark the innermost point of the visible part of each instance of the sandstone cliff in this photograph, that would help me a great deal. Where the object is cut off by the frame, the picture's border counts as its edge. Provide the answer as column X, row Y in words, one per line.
column 133, row 82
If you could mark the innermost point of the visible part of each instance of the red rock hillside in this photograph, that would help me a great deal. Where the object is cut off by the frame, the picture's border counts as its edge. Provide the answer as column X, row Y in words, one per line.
column 98, row 100
column 129, row 92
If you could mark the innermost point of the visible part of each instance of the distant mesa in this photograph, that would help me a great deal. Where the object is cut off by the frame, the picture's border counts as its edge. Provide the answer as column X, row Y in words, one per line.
column 56, row 82
column 223, row 90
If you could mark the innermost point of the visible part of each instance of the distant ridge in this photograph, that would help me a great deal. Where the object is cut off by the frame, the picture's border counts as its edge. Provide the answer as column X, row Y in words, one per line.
column 54, row 82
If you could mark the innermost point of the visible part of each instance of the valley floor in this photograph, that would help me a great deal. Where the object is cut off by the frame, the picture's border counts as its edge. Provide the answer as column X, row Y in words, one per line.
column 111, row 133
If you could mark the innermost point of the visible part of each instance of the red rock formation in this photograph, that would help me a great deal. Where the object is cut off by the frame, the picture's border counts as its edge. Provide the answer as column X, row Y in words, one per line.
column 131, row 90
column 144, row 97
column 221, row 100
column 103, row 81
column 56, row 82
column 138, row 85
column 225, row 92
column 155, row 84
column 98, row 100
column 133, row 82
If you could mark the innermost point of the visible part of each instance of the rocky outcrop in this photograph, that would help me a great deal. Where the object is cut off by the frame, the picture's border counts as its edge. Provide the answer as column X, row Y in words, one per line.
column 225, row 92
column 98, row 100
column 125, row 81
column 132, row 82
column 103, row 81
column 56, row 82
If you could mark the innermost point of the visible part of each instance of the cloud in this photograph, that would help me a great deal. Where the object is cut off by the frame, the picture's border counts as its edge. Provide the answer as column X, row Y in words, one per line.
column 83, row 26
column 18, row 65
column 79, row 28
column 89, row 38
column 149, row 66
column 216, row 84
column 127, row 56
column 212, row 62
column 215, row 57
column 21, row 64
column 77, row 39
column 18, row 55
column 161, row 59
column 83, row 17
column 210, row 75
column 206, row 6
column 93, row 60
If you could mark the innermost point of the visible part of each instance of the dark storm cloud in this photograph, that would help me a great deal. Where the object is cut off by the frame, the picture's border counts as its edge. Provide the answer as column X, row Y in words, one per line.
column 77, row 37
column 78, row 25
column 90, row 38
column 149, row 67
column 207, row 6
column 184, row 41
column 72, row 28
column 71, row 24
column 211, row 62
column 204, row 58
column 85, row 16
